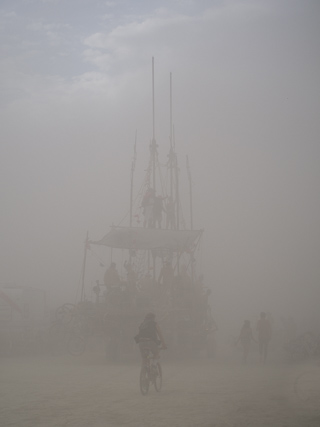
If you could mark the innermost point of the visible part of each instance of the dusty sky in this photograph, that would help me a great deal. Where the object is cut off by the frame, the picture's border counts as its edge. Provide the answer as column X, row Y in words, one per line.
column 75, row 87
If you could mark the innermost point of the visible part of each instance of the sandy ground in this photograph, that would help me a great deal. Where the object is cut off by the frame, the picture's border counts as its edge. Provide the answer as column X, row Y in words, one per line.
column 88, row 391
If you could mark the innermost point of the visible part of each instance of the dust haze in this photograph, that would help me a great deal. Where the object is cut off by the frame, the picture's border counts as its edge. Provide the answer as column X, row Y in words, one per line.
column 79, row 106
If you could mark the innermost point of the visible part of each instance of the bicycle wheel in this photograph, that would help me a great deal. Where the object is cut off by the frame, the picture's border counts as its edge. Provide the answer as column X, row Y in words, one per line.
column 144, row 381
column 65, row 313
column 158, row 377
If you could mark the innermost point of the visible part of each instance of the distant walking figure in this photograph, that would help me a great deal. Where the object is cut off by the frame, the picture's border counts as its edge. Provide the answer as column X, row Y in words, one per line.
column 246, row 336
column 264, row 336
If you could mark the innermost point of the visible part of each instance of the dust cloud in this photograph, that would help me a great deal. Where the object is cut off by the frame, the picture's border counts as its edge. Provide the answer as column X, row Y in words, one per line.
column 209, row 110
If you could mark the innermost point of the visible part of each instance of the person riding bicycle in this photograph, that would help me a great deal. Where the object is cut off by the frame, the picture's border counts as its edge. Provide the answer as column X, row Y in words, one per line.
column 150, row 337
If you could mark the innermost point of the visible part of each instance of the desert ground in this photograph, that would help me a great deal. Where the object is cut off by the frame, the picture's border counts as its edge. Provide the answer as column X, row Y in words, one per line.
column 88, row 391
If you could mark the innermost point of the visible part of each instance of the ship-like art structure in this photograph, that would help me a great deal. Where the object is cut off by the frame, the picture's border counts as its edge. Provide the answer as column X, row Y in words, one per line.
column 152, row 265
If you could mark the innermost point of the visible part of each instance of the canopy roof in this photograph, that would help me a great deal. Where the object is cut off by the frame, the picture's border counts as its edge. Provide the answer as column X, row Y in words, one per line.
column 136, row 238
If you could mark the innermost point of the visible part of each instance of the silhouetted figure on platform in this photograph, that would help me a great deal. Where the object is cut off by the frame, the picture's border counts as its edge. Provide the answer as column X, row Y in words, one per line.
column 111, row 276
column 147, row 205
column 96, row 289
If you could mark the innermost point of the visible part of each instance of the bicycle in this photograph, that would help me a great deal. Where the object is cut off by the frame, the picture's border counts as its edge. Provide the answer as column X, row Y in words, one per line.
column 305, row 346
column 151, row 372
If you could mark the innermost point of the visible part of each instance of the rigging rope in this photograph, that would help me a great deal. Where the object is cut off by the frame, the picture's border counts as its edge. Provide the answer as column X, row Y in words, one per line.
column 95, row 255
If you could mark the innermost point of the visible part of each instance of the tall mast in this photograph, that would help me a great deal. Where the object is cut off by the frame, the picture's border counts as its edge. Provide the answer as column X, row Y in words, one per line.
column 176, row 168
column 191, row 219
column 153, row 153
column 190, row 193
column 153, row 108
column 153, row 146
column 133, row 165
column 84, row 266
column 171, row 142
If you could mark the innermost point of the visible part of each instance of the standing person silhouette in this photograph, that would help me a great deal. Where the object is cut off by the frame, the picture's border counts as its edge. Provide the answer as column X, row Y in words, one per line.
column 264, row 336
column 246, row 336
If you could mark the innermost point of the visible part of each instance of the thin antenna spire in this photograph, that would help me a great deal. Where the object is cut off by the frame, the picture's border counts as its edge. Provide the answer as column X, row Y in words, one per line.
column 133, row 165
column 190, row 192
column 153, row 144
column 86, row 245
column 177, row 181
column 171, row 109
column 171, row 142
column 153, row 103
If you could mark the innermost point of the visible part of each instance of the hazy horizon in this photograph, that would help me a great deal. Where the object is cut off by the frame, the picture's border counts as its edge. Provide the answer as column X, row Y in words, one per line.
column 76, row 86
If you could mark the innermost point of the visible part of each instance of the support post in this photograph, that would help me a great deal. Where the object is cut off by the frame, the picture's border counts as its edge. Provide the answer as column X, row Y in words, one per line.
column 84, row 267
